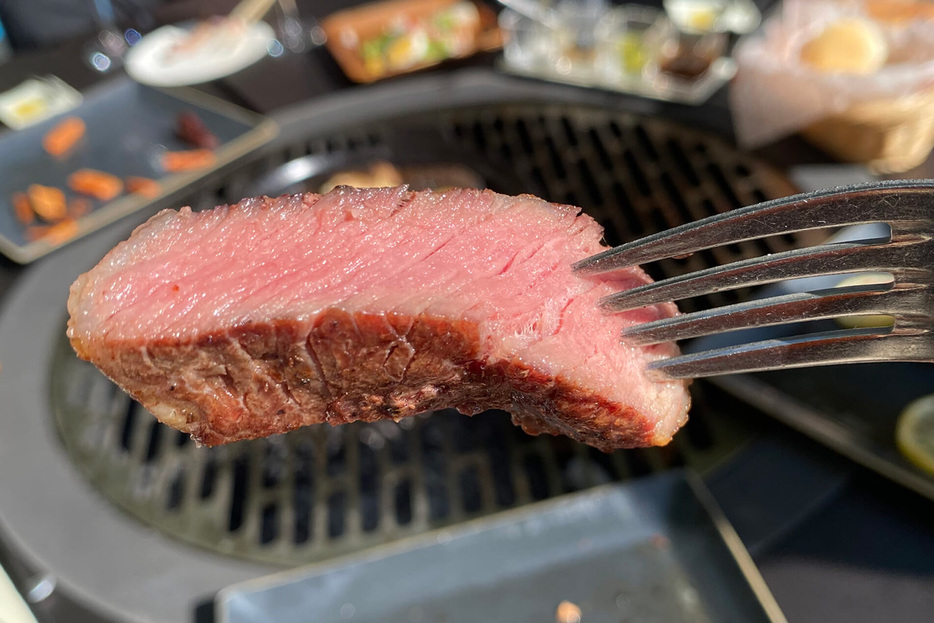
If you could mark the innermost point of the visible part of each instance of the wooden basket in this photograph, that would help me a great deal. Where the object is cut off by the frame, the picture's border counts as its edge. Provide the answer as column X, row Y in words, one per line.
column 891, row 136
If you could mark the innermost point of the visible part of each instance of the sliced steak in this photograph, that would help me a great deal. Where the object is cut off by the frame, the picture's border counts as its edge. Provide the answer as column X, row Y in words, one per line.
column 258, row 318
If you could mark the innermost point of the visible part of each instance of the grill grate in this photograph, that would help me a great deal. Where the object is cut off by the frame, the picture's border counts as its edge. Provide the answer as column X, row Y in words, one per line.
column 635, row 175
column 321, row 491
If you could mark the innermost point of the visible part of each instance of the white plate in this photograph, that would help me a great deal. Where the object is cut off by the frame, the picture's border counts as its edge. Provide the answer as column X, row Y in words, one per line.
column 156, row 60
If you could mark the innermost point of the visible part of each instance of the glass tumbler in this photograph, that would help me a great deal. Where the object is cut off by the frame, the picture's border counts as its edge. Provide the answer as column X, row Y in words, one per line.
column 629, row 39
column 529, row 44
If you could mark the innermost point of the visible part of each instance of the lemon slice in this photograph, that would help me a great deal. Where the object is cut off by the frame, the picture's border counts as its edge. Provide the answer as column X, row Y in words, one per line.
column 870, row 320
column 914, row 433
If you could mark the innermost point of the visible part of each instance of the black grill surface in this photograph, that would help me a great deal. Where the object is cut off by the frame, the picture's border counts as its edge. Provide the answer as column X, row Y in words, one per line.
column 322, row 491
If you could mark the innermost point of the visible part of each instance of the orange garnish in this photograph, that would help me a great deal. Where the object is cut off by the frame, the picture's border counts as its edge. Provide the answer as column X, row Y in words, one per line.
column 47, row 201
column 187, row 160
column 53, row 234
column 60, row 139
column 61, row 232
column 23, row 209
column 143, row 186
column 78, row 207
column 97, row 184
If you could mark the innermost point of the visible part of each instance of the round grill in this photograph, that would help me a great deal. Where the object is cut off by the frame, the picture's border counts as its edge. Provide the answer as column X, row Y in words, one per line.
column 321, row 491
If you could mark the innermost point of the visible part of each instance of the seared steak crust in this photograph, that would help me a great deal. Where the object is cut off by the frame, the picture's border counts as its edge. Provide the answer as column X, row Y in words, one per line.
column 262, row 379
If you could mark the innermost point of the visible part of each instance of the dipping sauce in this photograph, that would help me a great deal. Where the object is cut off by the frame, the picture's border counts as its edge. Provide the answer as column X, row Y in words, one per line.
column 690, row 56
column 632, row 53
column 686, row 66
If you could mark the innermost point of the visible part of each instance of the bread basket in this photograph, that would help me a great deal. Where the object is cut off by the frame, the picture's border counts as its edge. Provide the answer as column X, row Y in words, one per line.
column 890, row 135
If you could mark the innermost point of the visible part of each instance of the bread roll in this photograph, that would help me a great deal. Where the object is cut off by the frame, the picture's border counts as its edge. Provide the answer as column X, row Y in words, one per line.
column 853, row 46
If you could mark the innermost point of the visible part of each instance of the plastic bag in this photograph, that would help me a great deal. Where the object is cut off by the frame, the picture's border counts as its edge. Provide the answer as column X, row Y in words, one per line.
column 774, row 94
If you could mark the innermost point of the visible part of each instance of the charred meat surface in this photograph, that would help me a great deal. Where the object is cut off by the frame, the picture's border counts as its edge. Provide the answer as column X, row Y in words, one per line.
column 361, row 304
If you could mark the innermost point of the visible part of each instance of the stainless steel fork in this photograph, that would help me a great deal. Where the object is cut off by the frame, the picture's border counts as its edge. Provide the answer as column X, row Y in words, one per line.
column 907, row 254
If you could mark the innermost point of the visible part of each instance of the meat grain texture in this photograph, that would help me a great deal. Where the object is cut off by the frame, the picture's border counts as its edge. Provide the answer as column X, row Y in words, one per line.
column 261, row 317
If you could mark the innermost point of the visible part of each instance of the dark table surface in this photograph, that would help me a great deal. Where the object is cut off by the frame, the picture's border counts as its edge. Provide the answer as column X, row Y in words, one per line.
column 864, row 553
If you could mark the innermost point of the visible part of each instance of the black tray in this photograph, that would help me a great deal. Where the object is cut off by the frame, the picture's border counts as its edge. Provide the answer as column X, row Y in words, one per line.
column 654, row 549
column 128, row 126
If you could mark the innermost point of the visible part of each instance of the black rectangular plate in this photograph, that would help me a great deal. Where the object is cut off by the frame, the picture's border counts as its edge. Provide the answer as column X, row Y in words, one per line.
column 653, row 549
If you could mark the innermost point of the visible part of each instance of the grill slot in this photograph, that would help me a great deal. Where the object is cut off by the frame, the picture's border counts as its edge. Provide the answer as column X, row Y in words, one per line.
column 321, row 491
column 238, row 493
column 129, row 424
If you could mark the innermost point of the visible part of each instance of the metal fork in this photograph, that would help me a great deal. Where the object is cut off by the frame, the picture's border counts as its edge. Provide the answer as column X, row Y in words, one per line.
column 907, row 253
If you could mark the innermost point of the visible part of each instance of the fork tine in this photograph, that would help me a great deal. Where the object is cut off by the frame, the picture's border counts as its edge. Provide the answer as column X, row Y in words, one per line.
column 879, row 298
column 903, row 204
column 824, row 259
column 838, row 347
